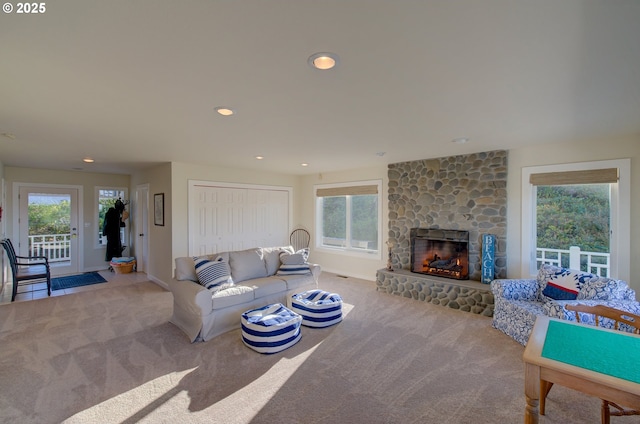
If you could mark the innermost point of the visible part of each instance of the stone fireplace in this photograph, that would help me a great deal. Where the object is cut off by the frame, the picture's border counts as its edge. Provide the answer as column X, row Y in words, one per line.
column 463, row 193
column 442, row 253
column 463, row 197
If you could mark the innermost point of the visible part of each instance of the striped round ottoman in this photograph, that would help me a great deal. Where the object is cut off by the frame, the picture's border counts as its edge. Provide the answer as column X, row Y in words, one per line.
column 271, row 328
column 318, row 308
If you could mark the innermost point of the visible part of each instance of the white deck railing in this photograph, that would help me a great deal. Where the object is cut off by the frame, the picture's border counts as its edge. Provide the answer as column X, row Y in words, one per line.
column 56, row 247
column 592, row 262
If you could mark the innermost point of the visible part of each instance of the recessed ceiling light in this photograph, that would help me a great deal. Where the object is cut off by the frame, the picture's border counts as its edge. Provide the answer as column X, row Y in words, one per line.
column 224, row 111
column 323, row 61
column 460, row 140
column 259, row 157
column 304, row 164
column 88, row 160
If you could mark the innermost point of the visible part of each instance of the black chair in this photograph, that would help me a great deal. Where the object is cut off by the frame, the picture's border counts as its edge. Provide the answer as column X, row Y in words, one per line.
column 299, row 239
column 28, row 269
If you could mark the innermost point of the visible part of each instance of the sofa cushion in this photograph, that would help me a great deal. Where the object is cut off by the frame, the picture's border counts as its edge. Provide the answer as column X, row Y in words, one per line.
column 271, row 256
column 235, row 295
column 294, row 263
column 213, row 274
column 247, row 264
column 601, row 288
column 295, row 281
column 266, row 286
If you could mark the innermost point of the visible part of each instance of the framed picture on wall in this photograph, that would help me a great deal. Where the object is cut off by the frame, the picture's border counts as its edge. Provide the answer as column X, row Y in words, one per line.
column 158, row 209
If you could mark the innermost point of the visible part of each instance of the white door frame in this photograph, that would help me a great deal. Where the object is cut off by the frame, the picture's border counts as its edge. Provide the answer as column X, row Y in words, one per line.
column 142, row 227
column 77, row 261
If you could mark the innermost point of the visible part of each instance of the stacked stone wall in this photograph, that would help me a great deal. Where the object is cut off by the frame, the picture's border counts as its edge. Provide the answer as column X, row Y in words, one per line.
column 466, row 192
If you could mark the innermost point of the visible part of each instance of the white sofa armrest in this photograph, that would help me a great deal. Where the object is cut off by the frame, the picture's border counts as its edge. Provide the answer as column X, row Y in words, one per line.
column 191, row 297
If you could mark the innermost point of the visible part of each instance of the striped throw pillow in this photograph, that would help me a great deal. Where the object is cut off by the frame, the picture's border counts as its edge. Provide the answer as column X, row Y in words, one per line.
column 294, row 263
column 215, row 274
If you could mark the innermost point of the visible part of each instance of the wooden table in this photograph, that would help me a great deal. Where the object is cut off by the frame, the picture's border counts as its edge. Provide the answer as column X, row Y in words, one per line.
column 539, row 369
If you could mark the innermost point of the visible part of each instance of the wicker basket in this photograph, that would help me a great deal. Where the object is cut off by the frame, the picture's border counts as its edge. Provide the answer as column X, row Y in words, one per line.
column 123, row 268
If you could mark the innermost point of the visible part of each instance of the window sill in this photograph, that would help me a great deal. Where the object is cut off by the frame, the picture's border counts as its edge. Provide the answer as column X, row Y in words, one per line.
column 367, row 254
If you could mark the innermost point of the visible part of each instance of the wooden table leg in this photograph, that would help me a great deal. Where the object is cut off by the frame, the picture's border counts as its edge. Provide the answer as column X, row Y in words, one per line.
column 545, row 387
column 531, row 392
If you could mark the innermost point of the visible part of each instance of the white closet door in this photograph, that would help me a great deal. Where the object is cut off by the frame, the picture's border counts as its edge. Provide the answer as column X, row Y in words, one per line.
column 236, row 218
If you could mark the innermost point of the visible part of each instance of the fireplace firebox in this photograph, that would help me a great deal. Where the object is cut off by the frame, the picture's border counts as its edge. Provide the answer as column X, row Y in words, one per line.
column 443, row 253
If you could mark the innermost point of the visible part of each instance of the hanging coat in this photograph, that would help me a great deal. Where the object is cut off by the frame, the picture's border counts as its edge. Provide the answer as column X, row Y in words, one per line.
column 111, row 229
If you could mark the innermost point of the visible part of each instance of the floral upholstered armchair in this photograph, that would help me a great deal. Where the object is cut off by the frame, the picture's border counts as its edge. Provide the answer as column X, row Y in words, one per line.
column 519, row 301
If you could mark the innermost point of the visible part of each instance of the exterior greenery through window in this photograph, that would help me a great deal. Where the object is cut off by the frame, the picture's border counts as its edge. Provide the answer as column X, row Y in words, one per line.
column 349, row 220
column 49, row 215
column 574, row 215
column 577, row 215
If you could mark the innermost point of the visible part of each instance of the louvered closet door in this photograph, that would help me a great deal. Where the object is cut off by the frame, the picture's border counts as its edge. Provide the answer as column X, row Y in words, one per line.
column 230, row 218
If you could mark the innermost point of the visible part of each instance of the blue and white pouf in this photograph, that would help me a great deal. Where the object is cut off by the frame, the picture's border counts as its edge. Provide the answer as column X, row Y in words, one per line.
column 271, row 328
column 318, row 308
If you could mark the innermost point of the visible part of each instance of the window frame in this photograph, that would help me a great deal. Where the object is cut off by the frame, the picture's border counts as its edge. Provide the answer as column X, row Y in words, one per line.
column 620, row 248
column 349, row 251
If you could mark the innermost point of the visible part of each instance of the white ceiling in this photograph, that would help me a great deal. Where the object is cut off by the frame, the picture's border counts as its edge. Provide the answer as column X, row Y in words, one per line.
column 135, row 83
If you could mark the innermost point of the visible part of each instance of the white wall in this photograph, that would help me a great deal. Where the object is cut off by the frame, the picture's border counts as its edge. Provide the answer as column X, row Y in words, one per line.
column 159, row 237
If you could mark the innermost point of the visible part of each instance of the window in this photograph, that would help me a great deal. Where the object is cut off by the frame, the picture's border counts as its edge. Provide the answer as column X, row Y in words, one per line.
column 577, row 216
column 348, row 217
column 106, row 199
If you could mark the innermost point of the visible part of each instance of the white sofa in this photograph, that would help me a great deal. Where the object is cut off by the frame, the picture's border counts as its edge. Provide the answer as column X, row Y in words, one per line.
column 203, row 315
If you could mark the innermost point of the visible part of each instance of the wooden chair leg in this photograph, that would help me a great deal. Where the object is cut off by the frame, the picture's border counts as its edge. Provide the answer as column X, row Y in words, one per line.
column 605, row 413
column 612, row 409
column 545, row 387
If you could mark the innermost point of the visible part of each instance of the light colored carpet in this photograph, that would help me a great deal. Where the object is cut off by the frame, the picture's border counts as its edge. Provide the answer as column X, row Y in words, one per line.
column 111, row 356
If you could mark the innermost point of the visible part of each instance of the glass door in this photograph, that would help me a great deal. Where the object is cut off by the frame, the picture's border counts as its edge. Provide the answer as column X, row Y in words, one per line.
column 49, row 226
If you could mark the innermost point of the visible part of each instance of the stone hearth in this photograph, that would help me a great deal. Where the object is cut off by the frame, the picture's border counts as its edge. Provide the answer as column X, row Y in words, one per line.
column 468, row 296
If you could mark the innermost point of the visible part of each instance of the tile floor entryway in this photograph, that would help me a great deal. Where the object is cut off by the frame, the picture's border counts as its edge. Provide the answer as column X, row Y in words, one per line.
column 33, row 291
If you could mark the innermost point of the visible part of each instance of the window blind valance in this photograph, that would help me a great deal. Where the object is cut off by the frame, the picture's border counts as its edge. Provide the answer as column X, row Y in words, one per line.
column 592, row 176
column 347, row 191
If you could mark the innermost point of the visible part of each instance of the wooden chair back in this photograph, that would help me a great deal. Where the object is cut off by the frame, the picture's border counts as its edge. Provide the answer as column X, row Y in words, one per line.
column 602, row 311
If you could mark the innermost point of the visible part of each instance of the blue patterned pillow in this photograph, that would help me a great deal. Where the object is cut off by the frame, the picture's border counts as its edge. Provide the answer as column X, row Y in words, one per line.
column 215, row 274
column 294, row 263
